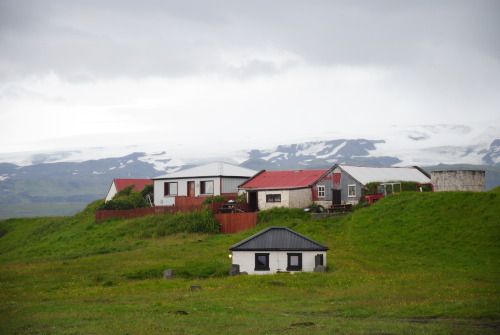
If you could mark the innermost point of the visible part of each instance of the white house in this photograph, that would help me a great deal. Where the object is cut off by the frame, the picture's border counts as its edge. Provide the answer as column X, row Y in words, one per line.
column 218, row 178
column 278, row 249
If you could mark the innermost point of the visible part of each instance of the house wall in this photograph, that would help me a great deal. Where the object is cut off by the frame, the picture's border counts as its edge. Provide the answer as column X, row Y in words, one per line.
column 299, row 198
column 228, row 185
column 461, row 180
column 277, row 261
column 343, row 185
column 328, row 182
column 112, row 191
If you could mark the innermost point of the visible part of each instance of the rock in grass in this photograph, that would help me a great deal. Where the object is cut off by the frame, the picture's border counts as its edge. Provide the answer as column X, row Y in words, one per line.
column 195, row 287
column 303, row 324
column 168, row 274
column 234, row 270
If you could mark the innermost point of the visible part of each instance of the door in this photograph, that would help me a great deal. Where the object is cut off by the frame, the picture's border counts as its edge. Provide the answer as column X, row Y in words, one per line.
column 336, row 198
column 190, row 187
column 252, row 201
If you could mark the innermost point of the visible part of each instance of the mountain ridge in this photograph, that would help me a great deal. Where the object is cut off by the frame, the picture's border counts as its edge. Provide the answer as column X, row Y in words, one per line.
column 55, row 179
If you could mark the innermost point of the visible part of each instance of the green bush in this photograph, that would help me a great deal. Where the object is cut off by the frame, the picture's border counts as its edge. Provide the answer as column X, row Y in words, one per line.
column 125, row 200
column 406, row 186
column 123, row 193
column 214, row 198
column 117, row 204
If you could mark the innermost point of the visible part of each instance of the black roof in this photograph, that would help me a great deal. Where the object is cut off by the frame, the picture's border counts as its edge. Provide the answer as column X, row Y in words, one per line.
column 278, row 238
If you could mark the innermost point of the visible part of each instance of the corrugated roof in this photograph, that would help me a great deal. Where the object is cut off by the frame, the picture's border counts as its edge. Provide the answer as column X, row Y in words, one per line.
column 284, row 179
column 139, row 184
column 215, row 169
column 278, row 239
column 368, row 174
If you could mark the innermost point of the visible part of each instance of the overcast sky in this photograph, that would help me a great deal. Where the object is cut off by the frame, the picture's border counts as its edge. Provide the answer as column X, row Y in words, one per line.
column 246, row 73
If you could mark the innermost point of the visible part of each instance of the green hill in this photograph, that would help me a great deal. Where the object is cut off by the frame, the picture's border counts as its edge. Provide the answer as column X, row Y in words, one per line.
column 413, row 263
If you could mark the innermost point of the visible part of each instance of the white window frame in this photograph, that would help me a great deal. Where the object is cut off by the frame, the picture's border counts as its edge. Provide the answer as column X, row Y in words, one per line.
column 321, row 191
column 349, row 193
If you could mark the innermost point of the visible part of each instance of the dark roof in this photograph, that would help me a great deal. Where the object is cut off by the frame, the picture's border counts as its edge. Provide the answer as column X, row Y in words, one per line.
column 278, row 238
column 267, row 180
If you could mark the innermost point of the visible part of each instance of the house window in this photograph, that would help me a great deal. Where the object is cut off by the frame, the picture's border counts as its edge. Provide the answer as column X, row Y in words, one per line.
column 170, row 189
column 351, row 190
column 321, row 191
column 261, row 262
column 294, row 262
column 273, row 197
column 207, row 187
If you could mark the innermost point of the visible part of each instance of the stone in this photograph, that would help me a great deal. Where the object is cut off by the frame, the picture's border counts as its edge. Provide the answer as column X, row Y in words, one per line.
column 320, row 268
column 234, row 270
column 168, row 274
column 195, row 287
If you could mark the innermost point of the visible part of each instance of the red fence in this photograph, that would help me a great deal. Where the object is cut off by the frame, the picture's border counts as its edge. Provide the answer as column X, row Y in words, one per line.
column 236, row 222
column 102, row 215
column 229, row 223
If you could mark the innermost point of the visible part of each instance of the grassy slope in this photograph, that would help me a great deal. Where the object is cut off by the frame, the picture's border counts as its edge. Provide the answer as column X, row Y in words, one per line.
column 410, row 264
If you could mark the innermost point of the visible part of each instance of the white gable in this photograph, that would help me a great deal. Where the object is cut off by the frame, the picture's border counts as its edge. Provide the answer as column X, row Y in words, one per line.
column 368, row 174
column 210, row 170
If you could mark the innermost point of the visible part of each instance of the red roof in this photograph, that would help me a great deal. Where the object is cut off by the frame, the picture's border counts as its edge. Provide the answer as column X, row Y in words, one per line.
column 284, row 179
column 139, row 184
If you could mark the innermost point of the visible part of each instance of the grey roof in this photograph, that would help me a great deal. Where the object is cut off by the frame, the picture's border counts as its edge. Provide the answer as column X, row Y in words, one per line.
column 367, row 174
column 278, row 238
column 215, row 169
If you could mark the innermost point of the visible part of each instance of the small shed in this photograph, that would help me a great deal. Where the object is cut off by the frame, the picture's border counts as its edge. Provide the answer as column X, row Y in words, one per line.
column 278, row 249
column 119, row 184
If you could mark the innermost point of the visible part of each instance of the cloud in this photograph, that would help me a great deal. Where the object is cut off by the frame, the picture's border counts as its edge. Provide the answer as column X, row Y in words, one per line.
column 267, row 70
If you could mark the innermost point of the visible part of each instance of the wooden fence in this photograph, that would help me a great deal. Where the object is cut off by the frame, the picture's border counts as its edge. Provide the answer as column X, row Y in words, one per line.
column 102, row 215
column 230, row 223
column 236, row 222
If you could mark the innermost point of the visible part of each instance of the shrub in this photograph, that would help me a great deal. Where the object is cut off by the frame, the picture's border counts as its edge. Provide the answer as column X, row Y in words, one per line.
column 214, row 198
column 148, row 191
column 117, row 204
column 123, row 193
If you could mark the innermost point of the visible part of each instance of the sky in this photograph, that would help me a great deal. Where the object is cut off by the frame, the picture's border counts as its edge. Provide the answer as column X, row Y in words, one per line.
column 242, row 74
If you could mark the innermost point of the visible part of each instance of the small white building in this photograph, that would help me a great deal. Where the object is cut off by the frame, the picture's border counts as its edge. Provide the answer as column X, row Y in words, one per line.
column 278, row 249
column 218, row 178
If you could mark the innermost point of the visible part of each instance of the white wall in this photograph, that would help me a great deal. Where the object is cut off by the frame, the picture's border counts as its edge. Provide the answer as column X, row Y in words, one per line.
column 278, row 260
column 112, row 191
column 264, row 205
column 300, row 198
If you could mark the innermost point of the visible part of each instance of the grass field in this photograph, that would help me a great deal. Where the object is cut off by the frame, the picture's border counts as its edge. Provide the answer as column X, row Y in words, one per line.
column 412, row 263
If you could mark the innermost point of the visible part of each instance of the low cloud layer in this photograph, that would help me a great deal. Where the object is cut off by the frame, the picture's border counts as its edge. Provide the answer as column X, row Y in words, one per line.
column 268, row 70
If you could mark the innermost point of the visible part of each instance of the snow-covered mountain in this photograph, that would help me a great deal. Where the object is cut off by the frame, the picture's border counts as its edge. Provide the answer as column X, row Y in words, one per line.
column 412, row 145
